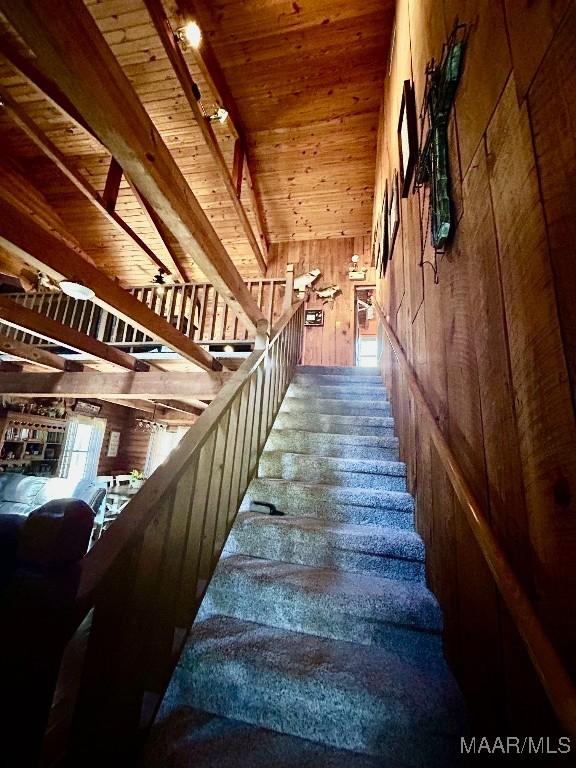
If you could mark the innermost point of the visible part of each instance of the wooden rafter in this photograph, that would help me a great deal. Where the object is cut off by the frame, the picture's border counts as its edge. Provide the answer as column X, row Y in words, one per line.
column 102, row 204
column 35, row 354
column 112, row 186
column 161, row 230
column 178, row 62
column 118, row 386
column 71, row 51
column 19, row 316
column 212, row 73
column 7, row 366
column 23, row 237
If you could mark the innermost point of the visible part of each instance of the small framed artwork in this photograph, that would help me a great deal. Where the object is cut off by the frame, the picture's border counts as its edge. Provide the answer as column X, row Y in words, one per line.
column 384, row 232
column 314, row 317
column 393, row 215
column 113, row 444
column 407, row 137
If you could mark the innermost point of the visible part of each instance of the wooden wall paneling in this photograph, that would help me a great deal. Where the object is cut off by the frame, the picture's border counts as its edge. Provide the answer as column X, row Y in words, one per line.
column 531, row 28
column 116, row 420
column 545, row 417
column 552, row 105
column 496, row 396
column 485, row 69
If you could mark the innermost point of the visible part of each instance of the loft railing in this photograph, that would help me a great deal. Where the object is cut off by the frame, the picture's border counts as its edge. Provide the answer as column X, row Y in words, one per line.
column 553, row 675
column 195, row 309
column 144, row 579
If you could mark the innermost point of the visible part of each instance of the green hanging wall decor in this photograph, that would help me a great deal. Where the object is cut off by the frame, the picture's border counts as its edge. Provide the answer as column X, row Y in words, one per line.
column 441, row 83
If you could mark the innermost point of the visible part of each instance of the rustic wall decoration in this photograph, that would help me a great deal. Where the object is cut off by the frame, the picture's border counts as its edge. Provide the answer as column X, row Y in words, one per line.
column 393, row 215
column 407, row 137
column 441, row 83
column 314, row 317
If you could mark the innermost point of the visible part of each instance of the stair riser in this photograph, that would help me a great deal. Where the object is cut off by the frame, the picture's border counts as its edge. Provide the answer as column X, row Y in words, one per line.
column 300, row 612
column 337, row 392
column 275, row 467
column 334, row 716
column 340, row 407
column 322, row 444
column 340, row 381
column 339, row 370
column 313, row 550
column 378, row 427
column 319, row 501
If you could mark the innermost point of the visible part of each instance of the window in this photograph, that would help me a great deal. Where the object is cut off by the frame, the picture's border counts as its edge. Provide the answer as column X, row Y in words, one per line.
column 82, row 448
column 161, row 445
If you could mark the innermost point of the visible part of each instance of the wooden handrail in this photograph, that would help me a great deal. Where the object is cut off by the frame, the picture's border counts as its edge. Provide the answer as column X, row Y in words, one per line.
column 145, row 577
column 552, row 673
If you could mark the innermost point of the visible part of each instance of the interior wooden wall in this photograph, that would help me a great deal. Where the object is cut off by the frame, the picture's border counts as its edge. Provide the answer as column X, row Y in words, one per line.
column 116, row 420
column 332, row 343
column 493, row 344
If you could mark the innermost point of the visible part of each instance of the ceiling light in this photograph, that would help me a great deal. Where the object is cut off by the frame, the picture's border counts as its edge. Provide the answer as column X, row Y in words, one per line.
column 190, row 35
column 76, row 290
column 228, row 348
column 220, row 115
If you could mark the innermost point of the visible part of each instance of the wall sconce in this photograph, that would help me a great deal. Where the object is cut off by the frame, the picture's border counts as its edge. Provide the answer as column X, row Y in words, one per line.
column 354, row 271
column 189, row 36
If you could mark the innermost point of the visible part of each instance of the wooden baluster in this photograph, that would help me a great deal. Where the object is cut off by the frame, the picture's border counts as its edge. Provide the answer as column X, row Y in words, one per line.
column 203, row 502
column 214, row 315
column 257, row 424
column 247, row 442
column 202, row 312
column 232, row 442
column 236, row 470
column 216, row 489
column 186, row 603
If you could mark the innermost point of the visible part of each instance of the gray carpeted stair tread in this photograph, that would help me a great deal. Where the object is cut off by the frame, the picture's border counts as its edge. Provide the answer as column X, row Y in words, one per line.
column 378, row 475
column 189, row 737
column 336, row 423
column 338, row 406
column 400, row 705
column 337, row 445
column 319, row 388
column 390, row 552
column 340, row 370
column 361, row 608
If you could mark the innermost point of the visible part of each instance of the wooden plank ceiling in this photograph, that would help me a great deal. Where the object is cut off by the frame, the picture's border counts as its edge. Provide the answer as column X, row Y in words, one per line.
column 306, row 78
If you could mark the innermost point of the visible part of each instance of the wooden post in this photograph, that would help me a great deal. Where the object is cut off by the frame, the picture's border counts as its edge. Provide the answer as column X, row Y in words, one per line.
column 289, row 288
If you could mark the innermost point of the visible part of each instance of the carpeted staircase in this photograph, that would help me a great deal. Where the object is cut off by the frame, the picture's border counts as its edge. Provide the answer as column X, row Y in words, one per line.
column 318, row 623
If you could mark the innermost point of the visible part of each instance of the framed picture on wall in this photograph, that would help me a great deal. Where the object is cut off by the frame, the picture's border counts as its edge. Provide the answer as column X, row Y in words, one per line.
column 381, row 270
column 407, row 137
column 393, row 215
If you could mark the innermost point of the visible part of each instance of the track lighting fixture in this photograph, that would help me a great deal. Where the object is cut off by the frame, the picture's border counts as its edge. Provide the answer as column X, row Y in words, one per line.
column 220, row 115
column 189, row 36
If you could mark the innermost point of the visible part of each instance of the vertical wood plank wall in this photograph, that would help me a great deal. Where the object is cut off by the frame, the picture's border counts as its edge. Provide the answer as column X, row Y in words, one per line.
column 332, row 344
column 494, row 343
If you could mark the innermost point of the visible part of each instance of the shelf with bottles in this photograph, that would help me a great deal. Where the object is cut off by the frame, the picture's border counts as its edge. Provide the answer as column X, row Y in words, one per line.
column 31, row 443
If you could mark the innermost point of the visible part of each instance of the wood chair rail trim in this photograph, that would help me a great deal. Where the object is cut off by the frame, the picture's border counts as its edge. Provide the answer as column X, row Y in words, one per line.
column 552, row 673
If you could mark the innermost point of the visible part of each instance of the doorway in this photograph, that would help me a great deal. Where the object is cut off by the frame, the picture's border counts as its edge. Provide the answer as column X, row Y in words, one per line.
column 365, row 328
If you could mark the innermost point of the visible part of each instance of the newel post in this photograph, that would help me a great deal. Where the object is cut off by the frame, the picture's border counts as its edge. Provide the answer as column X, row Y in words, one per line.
column 289, row 287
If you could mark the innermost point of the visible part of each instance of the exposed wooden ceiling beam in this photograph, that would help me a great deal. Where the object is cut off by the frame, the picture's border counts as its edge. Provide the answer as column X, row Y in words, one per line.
column 178, row 62
column 214, row 76
column 118, row 386
column 38, row 355
column 102, row 204
column 71, row 51
column 21, row 236
column 159, row 412
column 112, row 186
column 178, row 405
column 19, row 316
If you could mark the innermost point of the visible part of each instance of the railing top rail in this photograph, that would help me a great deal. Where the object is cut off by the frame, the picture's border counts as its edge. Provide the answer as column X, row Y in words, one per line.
column 551, row 671
column 143, row 507
column 56, row 292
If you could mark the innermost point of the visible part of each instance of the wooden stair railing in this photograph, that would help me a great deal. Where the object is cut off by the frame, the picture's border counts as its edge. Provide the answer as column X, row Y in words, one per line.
column 195, row 309
column 143, row 581
column 552, row 673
